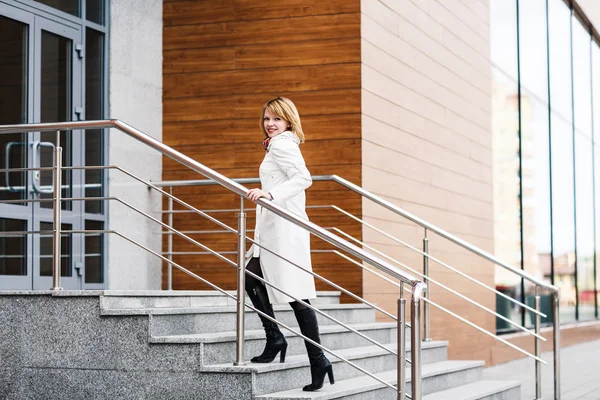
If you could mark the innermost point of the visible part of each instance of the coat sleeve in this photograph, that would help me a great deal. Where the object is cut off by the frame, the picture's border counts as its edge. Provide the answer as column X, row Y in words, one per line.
column 287, row 155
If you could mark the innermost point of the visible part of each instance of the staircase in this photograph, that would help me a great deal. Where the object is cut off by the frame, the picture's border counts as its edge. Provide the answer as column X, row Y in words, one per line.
column 206, row 320
column 180, row 345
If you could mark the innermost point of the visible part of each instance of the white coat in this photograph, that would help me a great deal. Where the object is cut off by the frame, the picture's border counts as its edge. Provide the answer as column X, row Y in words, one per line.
column 283, row 173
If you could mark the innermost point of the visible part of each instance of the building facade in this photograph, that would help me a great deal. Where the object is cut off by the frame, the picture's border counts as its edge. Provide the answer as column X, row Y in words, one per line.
column 474, row 115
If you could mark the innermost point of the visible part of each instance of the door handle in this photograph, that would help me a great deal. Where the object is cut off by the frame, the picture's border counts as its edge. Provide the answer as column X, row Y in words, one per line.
column 7, row 171
column 36, row 147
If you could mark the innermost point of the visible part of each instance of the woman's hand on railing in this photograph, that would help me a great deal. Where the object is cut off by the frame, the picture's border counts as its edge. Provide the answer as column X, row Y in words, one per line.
column 255, row 194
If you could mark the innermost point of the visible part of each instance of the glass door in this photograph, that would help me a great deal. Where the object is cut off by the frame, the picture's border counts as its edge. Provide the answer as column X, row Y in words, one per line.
column 57, row 97
column 40, row 81
column 16, row 65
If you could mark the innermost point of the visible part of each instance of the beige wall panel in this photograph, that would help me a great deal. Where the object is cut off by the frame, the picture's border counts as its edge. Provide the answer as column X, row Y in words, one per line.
column 427, row 148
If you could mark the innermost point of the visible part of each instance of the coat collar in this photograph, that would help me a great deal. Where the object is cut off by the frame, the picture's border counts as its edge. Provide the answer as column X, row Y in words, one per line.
column 283, row 136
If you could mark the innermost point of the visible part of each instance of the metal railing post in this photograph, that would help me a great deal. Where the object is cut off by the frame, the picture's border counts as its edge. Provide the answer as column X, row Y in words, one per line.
column 556, row 340
column 415, row 340
column 538, row 352
column 170, row 241
column 241, row 286
column 401, row 348
column 56, row 220
column 426, row 325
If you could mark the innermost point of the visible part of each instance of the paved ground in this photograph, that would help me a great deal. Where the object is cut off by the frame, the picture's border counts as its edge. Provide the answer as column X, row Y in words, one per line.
column 580, row 368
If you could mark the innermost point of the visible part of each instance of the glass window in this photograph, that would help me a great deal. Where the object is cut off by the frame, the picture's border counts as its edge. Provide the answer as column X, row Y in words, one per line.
column 95, row 11
column 94, row 243
column 563, row 215
column 503, row 36
column 582, row 84
column 535, row 176
column 507, row 230
column 56, row 79
column 533, row 47
column 559, row 24
column 596, row 124
column 94, row 106
column 13, row 249
column 13, row 103
column 68, row 6
column 585, row 225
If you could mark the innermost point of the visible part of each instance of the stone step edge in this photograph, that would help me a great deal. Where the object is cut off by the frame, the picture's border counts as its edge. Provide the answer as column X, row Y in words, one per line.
column 217, row 309
column 356, row 385
column 301, row 360
column 185, row 293
column 255, row 334
column 474, row 391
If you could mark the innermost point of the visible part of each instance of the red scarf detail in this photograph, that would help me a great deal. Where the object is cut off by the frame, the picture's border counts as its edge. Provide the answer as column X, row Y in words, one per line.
column 265, row 143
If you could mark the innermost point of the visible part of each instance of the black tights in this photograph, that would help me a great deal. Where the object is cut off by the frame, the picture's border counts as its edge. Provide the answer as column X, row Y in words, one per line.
column 251, row 282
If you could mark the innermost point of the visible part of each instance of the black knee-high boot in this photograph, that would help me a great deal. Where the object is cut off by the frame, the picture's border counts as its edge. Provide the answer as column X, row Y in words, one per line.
column 319, row 364
column 275, row 340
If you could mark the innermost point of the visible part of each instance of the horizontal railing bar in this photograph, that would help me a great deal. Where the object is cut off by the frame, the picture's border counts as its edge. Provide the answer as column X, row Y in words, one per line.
column 392, row 207
column 191, row 208
column 203, row 232
column 175, row 231
column 3, row 170
column 482, row 330
column 182, row 269
column 195, row 253
column 17, row 201
column 428, row 255
column 456, row 293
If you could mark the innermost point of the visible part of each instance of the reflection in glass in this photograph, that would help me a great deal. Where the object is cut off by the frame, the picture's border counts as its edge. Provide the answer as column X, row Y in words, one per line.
column 13, row 106
column 585, row 225
column 56, row 105
column 94, row 242
column 68, row 6
column 95, row 11
column 535, row 196
column 584, row 181
column 563, row 215
column 507, row 231
column 94, row 101
column 503, row 36
column 596, row 140
column 13, row 249
column 533, row 50
column 46, row 251
column 559, row 23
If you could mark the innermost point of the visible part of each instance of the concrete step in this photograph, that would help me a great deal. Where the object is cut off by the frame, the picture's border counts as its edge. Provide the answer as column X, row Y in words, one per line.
column 132, row 299
column 436, row 376
column 481, row 390
column 192, row 320
column 220, row 347
column 295, row 372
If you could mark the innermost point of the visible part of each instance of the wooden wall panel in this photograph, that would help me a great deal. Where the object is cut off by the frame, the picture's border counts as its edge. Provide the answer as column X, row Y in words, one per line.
column 222, row 60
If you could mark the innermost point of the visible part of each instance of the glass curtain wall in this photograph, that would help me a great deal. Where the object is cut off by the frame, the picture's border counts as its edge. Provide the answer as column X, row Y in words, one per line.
column 545, row 94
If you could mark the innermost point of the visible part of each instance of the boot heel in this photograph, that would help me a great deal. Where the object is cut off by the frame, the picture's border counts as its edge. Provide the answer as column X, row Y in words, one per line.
column 282, row 354
column 330, row 374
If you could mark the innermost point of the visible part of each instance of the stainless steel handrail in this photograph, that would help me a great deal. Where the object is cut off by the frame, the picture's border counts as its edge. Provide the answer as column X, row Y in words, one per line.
column 218, row 178
column 426, row 257
column 417, row 287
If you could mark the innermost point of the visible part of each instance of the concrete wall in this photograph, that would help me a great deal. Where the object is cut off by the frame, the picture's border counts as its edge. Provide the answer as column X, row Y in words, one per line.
column 135, row 96
column 427, row 147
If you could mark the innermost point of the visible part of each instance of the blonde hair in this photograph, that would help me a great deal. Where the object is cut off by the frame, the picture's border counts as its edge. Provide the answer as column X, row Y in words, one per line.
column 286, row 109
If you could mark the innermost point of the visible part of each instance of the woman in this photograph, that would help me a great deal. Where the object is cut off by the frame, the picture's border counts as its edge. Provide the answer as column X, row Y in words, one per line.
column 284, row 178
